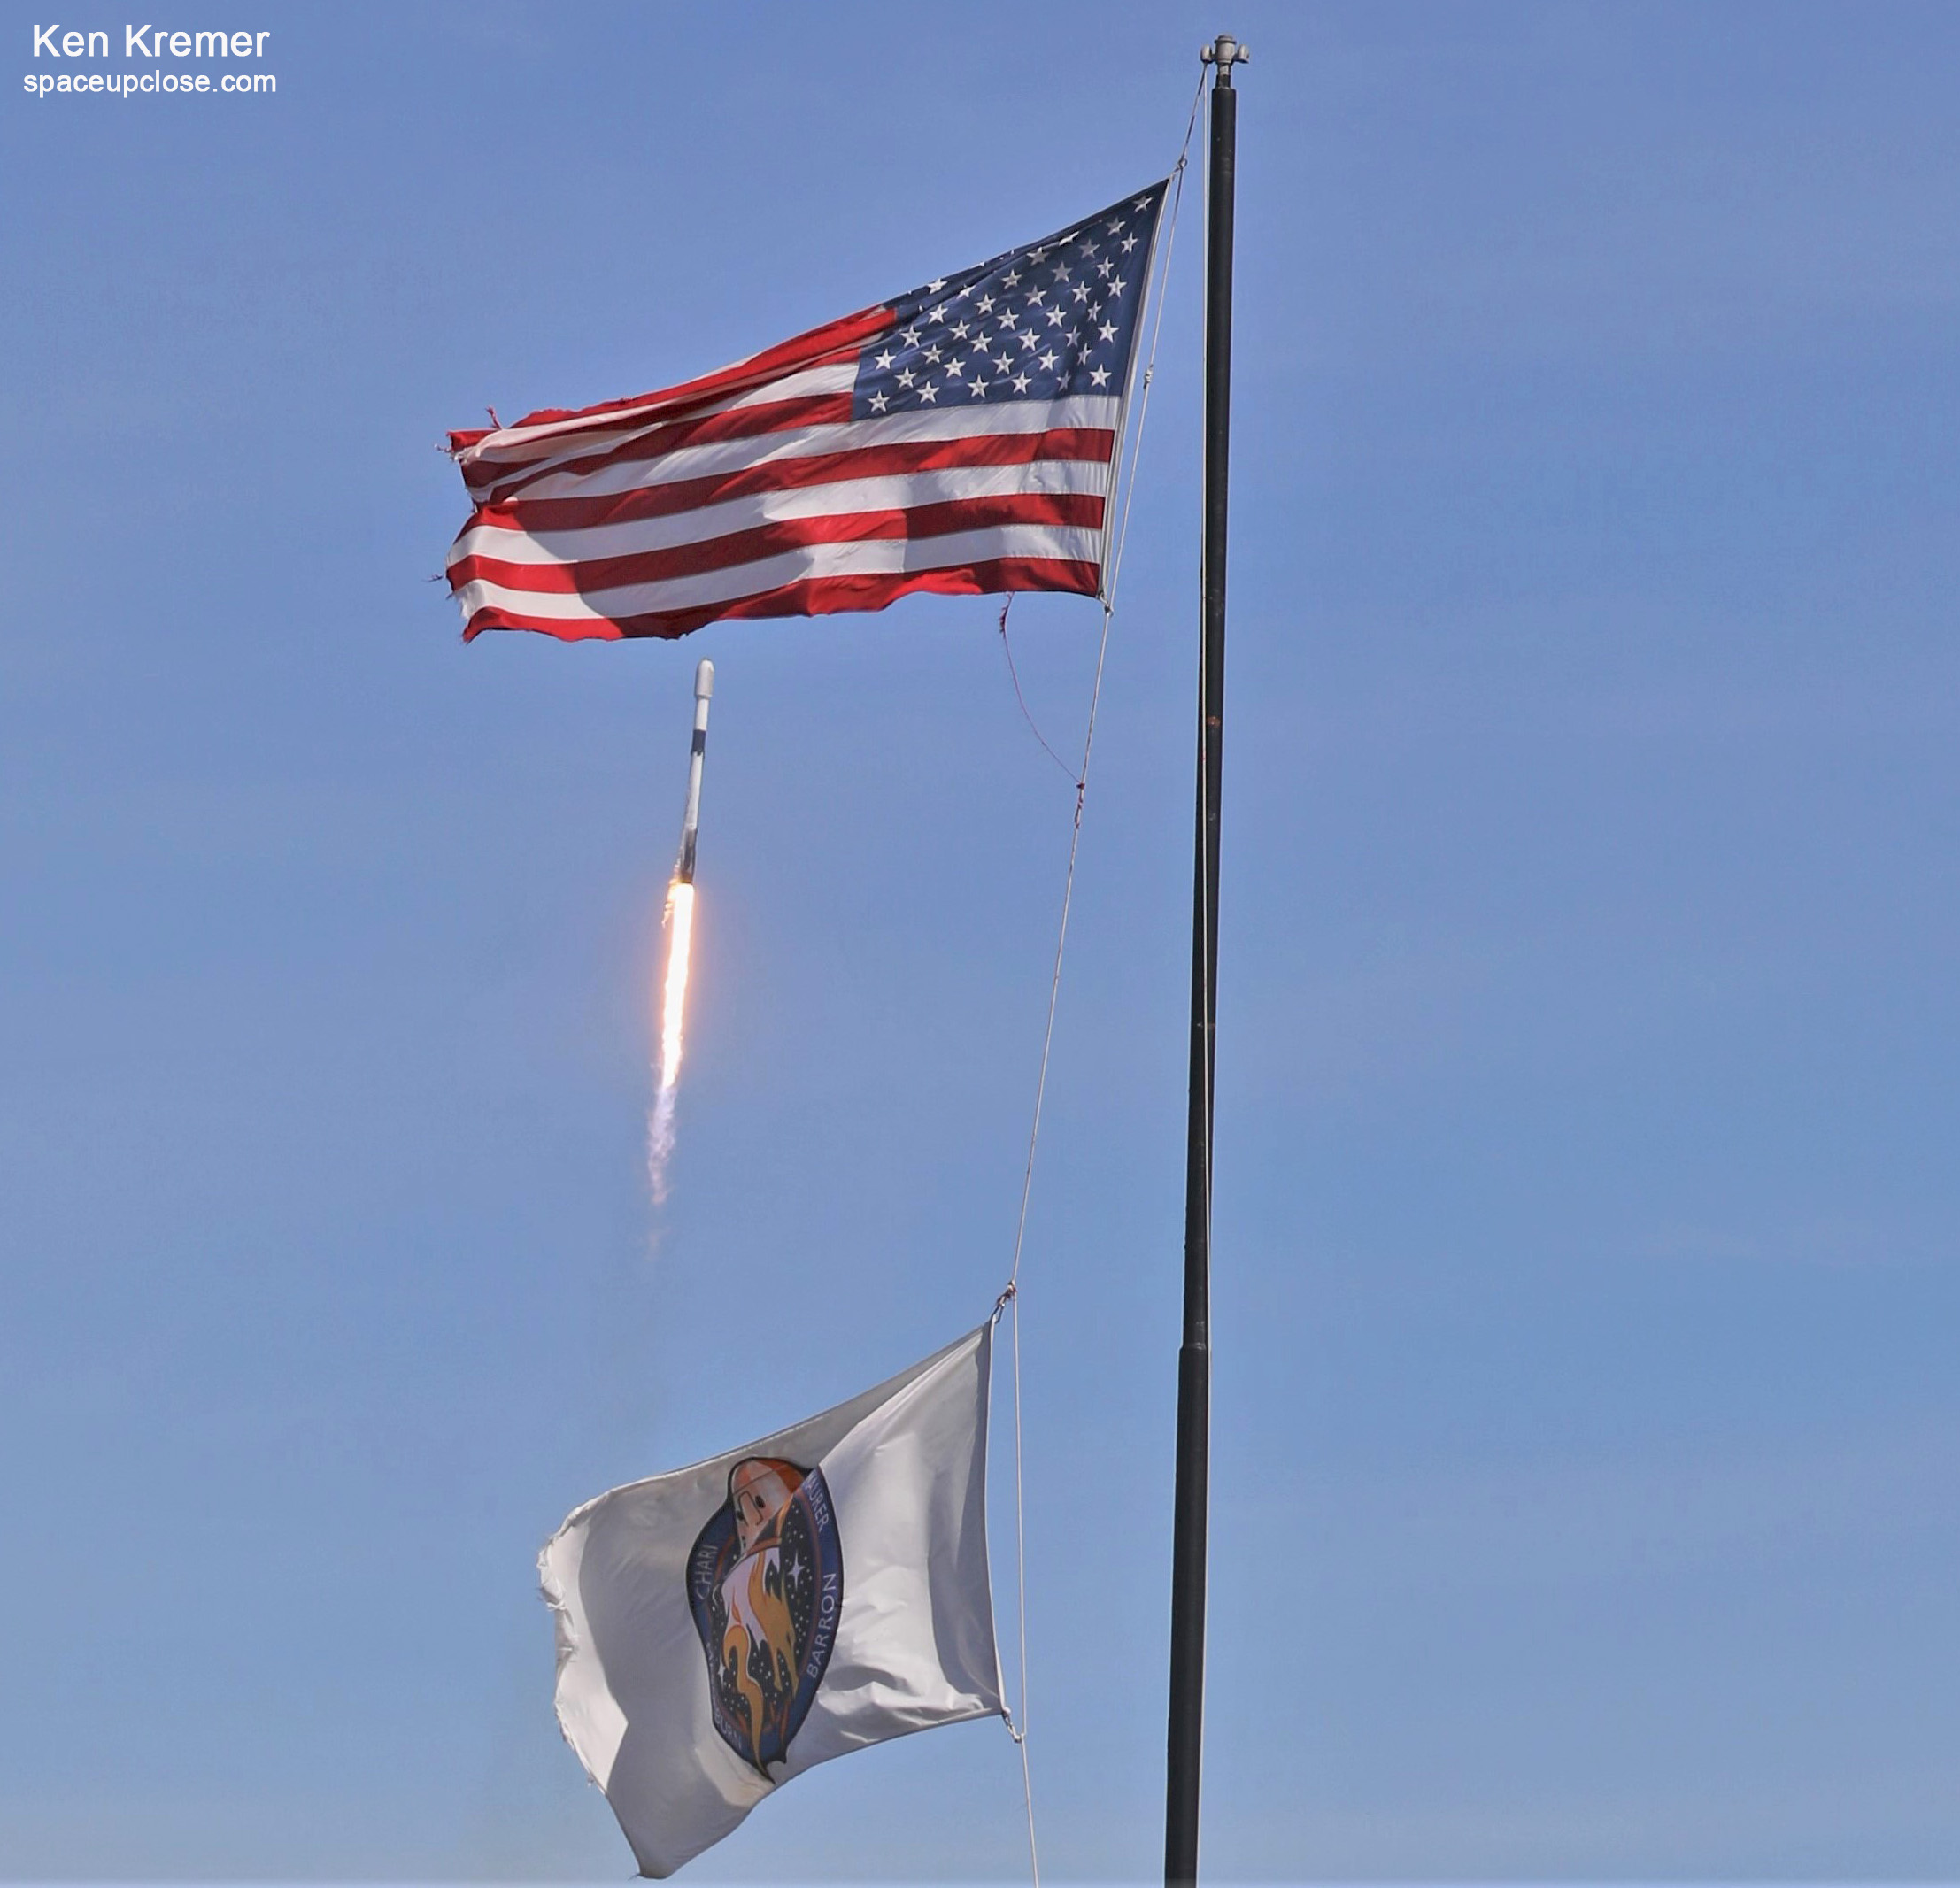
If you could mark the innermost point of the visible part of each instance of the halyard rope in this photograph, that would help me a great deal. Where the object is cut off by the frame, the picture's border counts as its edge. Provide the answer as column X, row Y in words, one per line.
column 1017, row 1726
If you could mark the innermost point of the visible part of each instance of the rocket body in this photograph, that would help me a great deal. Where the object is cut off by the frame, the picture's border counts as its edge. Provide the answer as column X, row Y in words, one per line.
column 691, row 821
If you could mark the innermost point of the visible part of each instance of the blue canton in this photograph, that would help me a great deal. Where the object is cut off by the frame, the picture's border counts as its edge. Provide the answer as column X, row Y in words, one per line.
column 1056, row 317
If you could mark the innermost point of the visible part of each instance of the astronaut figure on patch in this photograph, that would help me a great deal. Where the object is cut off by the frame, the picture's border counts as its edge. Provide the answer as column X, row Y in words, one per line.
column 765, row 1582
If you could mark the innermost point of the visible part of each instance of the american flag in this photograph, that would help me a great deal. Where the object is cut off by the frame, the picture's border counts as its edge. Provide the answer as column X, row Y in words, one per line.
column 963, row 438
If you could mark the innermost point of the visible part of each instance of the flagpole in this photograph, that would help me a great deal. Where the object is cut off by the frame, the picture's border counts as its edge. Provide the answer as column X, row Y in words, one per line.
column 1187, row 1578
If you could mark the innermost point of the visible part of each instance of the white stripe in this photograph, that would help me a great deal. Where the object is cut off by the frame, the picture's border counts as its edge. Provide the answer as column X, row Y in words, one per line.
column 1094, row 412
column 898, row 493
column 566, row 439
column 871, row 557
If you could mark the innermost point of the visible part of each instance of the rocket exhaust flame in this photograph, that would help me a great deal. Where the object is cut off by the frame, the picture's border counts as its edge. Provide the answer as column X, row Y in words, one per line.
column 680, row 945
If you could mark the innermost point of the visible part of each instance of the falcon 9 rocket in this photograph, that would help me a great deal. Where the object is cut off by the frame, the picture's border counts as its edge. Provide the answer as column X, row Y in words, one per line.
column 691, row 821
column 679, row 923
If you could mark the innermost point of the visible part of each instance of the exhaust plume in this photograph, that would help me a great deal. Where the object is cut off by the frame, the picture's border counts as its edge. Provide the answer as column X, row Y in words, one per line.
column 679, row 925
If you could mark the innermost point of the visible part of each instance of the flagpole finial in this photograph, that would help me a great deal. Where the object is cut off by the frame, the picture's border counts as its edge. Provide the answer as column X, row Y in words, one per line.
column 1224, row 52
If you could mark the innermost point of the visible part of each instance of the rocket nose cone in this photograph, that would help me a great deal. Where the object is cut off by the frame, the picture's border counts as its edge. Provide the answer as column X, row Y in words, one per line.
column 704, row 680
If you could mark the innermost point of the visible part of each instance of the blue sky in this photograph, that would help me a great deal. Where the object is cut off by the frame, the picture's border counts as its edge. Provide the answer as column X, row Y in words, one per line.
column 1587, row 1423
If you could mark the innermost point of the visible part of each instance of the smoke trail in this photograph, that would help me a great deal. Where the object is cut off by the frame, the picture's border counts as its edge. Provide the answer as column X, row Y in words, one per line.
column 659, row 1144
column 679, row 923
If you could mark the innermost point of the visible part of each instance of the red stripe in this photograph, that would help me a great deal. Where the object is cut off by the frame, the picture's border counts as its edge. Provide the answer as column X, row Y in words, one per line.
column 852, row 332
column 740, row 422
column 819, row 597
column 1092, row 445
column 588, row 629
column 848, row 333
column 589, row 575
column 565, row 447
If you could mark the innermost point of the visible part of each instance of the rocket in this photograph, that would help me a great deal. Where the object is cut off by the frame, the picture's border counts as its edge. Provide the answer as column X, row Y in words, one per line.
column 691, row 821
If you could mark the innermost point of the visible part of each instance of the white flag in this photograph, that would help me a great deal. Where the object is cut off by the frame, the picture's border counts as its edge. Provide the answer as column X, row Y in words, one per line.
column 726, row 1627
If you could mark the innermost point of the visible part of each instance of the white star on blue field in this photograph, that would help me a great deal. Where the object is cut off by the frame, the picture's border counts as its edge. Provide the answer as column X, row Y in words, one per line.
column 1056, row 317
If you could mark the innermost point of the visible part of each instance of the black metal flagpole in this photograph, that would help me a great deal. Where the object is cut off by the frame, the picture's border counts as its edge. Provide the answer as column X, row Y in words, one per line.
column 1187, row 1577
